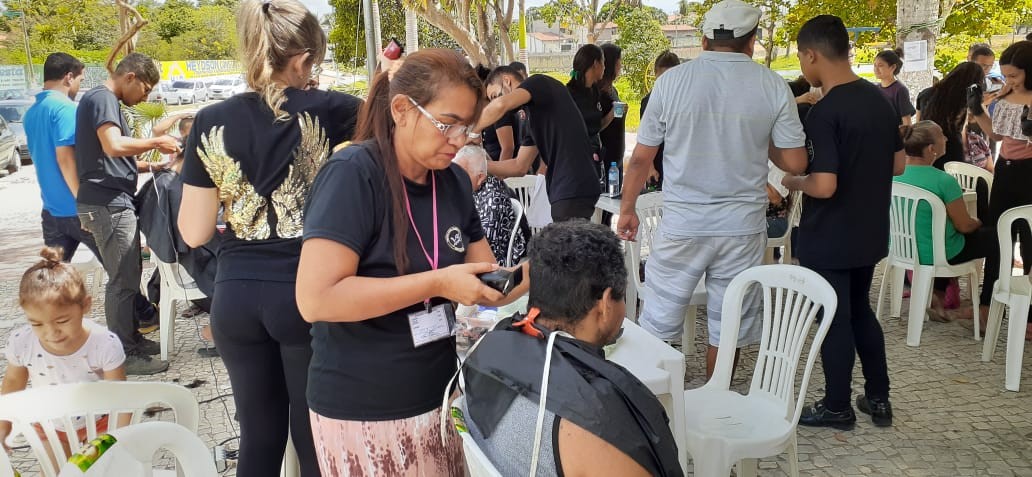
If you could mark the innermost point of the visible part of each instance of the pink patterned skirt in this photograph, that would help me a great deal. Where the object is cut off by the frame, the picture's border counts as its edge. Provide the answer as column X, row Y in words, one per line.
column 405, row 447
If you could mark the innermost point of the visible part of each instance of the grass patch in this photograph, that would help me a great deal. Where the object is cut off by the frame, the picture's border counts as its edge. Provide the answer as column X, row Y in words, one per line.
column 790, row 63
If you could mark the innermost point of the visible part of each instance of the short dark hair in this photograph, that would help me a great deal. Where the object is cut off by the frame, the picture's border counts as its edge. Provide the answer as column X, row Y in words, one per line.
column 825, row 34
column 738, row 44
column 666, row 60
column 979, row 49
column 519, row 67
column 497, row 74
column 893, row 58
column 483, row 72
column 571, row 265
column 60, row 64
column 141, row 65
column 1019, row 55
column 799, row 86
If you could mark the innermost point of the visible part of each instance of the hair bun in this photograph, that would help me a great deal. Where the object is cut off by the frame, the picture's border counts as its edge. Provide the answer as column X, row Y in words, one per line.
column 905, row 131
column 51, row 256
column 898, row 52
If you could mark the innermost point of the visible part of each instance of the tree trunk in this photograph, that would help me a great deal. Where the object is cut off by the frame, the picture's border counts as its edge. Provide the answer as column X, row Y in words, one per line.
column 910, row 14
column 524, row 54
column 411, row 31
column 377, row 33
column 460, row 33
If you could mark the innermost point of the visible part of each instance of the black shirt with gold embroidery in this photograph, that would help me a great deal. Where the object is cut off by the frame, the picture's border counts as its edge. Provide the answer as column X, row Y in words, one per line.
column 263, row 169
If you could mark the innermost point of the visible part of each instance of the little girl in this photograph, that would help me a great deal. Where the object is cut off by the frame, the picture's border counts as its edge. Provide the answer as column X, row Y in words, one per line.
column 886, row 66
column 58, row 346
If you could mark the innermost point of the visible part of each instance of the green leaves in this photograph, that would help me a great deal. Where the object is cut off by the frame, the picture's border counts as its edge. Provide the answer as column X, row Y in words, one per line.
column 642, row 40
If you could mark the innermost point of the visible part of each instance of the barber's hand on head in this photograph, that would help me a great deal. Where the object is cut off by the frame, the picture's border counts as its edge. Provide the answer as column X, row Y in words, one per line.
column 974, row 99
column 167, row 145
column 627, row 226
column 459, row 283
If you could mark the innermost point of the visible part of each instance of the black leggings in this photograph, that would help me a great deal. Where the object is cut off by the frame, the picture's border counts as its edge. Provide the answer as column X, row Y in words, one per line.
column 266, row 347
column 978, row 244
column 1012, row 187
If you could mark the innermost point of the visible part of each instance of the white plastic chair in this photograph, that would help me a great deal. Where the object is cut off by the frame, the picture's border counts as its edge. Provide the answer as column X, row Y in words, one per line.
column 1013, row 293
column 650, row 213
column 477, row 463
column 134, row 450
column 89, row 267
column 517, row 209
column 725, row 427
column 176, row 285
column 967, row 175
column 524, row 188
column 47, row 406
column 6, row 470
column 903, row 255
column 795, row 210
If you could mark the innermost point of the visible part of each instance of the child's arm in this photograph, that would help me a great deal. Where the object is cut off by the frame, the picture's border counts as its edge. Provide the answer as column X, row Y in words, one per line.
column 118, row 374
column 16, row 379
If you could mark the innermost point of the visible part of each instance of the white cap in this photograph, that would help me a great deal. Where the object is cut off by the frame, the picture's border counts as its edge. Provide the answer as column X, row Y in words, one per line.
column 730, row 17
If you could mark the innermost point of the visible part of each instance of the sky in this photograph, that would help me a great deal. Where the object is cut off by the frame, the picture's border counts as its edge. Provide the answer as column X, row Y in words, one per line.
column 320, row 7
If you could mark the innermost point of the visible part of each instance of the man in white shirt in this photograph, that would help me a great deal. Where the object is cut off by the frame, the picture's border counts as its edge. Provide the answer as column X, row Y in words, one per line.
column 720, row 116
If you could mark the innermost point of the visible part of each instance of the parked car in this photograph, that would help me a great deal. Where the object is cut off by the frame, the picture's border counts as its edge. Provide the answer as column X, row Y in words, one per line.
column 224, row 88
column 193, row 91
column 13, row 110
column 165, row 93
column 10, row 159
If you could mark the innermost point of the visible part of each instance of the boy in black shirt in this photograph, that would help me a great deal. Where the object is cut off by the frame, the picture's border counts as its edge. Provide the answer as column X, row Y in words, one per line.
column 556, row 130
column 855, row 149
column 105, row 157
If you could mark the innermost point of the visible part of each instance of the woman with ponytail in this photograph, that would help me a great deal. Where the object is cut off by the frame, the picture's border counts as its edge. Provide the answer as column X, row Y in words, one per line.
column 966, row 239
column 391, row 240
column 887, row 65
column 596, row 108
column 256, row 155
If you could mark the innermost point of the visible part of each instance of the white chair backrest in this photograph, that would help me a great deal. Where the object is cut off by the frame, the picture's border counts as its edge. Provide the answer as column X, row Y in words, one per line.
column 795, row 209
column 1003, row 233
column 6, row 470
column 517, row 209
column 52, row 405
column 650, row 212
column 476, row 462
column 967, row 175
column 902, row 224
column 134, row 450
column 523, row 186
column 793, row 296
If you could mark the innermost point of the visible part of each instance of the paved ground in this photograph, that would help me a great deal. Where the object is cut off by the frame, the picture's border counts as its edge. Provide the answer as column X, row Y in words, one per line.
column 953, row 417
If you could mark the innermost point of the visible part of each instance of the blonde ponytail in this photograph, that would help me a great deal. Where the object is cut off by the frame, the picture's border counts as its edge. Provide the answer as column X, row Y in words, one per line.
column 271, row 32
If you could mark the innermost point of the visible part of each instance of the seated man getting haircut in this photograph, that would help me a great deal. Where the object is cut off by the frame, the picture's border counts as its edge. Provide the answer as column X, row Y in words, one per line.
column 599, row 419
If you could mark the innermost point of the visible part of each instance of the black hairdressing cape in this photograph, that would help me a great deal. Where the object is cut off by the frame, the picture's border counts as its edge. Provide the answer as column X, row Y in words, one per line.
column 585, row 389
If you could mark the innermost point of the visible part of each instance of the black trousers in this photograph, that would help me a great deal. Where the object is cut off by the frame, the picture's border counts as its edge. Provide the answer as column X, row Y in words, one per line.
column 577, row 208
column 854, row 331
column 266, row 347
column 978, row 244
column 1012, row 187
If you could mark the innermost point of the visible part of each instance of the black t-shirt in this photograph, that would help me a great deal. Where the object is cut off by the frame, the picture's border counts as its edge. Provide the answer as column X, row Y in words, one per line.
column 593, row 106
column 369, row 370
column 852, row 133
column 103, row 180
column 264, row 218
column 954, row 145
column 613, row 139
column 558, row 130
column 657, row 162
column 491, row 144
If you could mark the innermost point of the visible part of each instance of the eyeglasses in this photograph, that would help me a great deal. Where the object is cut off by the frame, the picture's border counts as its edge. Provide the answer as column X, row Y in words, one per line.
column 450, row 131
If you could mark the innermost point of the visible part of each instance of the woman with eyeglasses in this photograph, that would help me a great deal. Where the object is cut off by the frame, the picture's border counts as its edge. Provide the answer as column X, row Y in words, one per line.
column 256, row 155
column 392, row 238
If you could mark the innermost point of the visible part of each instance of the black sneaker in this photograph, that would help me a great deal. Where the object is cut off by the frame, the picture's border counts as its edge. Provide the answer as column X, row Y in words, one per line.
column 819, row 416
column 147, row 347
column 141, row 365
column 880, row 410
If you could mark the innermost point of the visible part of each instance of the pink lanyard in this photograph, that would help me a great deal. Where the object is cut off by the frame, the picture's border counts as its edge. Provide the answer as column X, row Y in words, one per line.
column 408, row 206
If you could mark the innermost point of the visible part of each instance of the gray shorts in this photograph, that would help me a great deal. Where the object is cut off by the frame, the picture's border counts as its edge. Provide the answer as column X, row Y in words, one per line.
column 673, row 270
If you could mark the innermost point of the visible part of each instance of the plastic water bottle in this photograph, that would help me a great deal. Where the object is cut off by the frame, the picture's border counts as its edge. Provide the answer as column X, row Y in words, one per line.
column 614, row 180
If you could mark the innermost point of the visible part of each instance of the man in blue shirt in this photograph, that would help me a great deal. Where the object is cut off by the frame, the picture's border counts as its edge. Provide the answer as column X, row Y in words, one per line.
column 50, row 129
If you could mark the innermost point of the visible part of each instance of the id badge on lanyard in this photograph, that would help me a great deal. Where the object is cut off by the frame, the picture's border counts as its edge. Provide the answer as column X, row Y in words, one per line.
column 437, row 322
